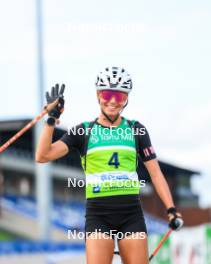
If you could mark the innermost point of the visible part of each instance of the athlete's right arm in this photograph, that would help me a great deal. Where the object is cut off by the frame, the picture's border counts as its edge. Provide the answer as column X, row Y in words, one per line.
column 46, row 151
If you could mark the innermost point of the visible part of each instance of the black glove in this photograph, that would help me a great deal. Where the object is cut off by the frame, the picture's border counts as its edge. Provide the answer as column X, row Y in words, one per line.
column 175, row 219
column 56, row 93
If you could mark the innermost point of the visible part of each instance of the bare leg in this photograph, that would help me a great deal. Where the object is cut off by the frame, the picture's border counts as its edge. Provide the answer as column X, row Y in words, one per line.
column 99, row 249
column 134, row 249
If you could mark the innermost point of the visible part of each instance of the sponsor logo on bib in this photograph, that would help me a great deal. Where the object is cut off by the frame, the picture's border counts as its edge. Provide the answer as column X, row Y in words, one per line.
column 94, row 139
column 96, row 189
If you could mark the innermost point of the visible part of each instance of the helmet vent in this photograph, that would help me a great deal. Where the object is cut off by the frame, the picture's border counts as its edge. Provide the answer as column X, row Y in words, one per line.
column 114, row 78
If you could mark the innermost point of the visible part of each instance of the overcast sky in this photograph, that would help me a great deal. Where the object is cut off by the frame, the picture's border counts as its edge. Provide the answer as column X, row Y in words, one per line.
column 165, row 45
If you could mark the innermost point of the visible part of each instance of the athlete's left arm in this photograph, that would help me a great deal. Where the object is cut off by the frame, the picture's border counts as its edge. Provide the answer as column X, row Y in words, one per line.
column 148, row 156
column 159, row 182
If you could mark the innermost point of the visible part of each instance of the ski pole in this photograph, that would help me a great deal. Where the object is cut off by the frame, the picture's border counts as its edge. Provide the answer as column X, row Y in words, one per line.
column 160, row 244
column 179, row 222
column 158, row 247
column 46, row 109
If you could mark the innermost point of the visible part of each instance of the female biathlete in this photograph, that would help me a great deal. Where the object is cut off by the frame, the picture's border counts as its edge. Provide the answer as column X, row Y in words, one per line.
column 109, row 151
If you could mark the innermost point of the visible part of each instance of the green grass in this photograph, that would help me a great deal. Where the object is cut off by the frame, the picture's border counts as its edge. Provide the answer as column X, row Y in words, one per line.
column 6, row 236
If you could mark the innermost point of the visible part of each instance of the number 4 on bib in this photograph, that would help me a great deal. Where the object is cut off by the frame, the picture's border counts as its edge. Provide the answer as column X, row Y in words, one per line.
column 114, row 160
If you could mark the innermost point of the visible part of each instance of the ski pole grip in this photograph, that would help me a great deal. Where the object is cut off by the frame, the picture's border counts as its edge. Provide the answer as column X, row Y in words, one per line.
column 179, row 223
column 51, row 106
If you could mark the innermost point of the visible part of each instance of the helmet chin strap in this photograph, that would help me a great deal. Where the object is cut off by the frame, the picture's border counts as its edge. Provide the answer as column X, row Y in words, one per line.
column 116, row 117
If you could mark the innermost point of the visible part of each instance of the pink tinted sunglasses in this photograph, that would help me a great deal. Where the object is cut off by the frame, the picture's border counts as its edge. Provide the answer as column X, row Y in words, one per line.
column 108, row 94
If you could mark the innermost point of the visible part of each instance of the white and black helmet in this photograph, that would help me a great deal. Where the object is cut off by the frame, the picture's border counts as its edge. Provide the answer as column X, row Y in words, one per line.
column 114, row 78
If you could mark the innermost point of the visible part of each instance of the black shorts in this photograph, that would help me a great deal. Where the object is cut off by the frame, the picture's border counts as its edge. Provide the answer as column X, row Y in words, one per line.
column 117, row 222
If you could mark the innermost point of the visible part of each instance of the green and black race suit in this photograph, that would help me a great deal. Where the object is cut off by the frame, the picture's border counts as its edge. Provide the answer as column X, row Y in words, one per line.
column 110, row 157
